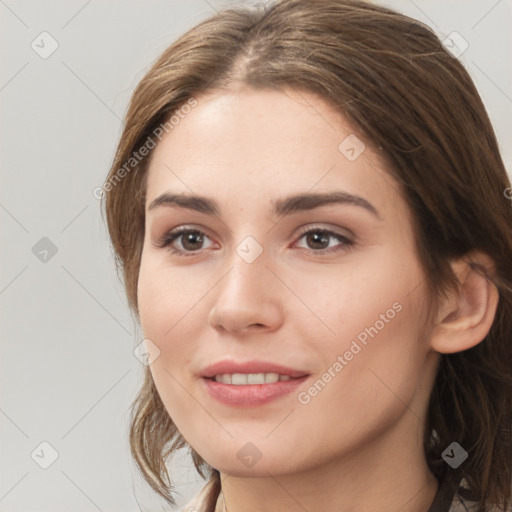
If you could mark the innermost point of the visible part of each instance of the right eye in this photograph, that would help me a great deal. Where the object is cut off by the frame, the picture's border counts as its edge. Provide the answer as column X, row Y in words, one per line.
column 184, row 241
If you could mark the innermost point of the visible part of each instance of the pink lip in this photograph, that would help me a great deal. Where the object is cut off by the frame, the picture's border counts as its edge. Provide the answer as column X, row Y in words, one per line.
column 250, row 394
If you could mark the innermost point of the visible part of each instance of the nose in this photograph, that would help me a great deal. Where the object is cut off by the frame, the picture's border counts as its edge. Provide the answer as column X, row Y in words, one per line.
column 247, row 299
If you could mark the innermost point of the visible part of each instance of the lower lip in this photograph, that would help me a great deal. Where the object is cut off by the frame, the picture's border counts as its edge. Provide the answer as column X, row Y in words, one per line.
column 251, row 394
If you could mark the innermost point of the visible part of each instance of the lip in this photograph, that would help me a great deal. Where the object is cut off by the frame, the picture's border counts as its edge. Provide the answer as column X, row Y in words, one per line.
column 223, row 367
column 250, row 394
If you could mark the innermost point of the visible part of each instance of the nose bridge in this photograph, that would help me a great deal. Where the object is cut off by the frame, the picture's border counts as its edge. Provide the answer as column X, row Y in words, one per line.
column 244, row 277
column 245, row 296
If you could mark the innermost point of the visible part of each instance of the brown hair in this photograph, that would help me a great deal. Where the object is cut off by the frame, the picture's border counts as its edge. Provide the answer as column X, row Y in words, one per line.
column 415, row 104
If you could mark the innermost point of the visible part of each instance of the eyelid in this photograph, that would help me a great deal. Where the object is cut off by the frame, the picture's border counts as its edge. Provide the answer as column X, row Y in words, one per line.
column 335, row 230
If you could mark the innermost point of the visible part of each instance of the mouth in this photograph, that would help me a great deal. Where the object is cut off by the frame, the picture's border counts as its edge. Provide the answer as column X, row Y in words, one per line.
column 243, row 379
column 250, row 384
column 250, row 372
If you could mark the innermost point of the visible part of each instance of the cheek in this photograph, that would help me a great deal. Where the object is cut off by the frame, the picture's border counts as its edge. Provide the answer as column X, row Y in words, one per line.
column 173, row 309
column 374, row 367
column 374, row 349
column 168, row 303
column 168, row 297
column 373, row 294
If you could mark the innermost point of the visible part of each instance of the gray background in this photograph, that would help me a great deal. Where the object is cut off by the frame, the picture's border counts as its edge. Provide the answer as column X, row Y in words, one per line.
column 68, row 373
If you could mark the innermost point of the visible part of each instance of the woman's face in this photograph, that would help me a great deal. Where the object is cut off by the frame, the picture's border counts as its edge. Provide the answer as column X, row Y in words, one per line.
column 297, row 252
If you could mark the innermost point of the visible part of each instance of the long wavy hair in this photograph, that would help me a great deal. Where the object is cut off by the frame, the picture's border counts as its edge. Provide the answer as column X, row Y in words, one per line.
column 414, row 103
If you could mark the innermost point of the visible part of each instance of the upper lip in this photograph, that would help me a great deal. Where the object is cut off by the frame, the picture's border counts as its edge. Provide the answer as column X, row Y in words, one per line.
column 230, row 367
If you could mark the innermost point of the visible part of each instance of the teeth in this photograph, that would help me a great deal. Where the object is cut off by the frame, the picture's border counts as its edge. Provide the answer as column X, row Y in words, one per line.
column 240, row 379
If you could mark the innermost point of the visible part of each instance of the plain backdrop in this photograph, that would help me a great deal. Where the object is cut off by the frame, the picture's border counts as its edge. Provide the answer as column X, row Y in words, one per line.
column 68, row 372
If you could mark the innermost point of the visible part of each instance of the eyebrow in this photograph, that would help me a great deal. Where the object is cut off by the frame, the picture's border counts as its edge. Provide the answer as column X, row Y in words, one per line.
column 280, row 207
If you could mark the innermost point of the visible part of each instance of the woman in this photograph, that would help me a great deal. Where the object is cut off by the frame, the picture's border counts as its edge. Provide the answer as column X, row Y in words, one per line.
column 309, row 209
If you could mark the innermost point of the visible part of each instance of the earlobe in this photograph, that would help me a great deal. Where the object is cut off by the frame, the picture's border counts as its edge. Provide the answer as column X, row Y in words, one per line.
column 466, row 314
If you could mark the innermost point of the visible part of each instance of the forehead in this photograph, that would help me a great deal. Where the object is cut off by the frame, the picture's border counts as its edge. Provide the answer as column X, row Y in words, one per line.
column 245, row 146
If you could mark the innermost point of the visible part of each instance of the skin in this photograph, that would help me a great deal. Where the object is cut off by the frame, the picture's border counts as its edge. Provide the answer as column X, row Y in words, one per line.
column 357, row 444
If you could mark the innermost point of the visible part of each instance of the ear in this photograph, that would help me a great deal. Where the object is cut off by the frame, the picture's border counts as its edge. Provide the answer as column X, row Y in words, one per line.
column 466, row 314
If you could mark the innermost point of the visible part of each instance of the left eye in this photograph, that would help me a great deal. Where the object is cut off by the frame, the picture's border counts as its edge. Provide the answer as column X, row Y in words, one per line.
column 319, row 240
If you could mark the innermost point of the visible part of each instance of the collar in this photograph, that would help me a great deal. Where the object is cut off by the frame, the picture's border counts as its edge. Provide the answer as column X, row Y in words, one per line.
column 442, row 500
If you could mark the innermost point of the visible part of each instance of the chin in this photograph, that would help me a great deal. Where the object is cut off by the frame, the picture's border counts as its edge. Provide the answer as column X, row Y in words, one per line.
column 246, row 459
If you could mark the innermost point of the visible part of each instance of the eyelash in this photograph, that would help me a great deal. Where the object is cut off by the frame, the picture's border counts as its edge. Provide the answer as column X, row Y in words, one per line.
column 168, row 238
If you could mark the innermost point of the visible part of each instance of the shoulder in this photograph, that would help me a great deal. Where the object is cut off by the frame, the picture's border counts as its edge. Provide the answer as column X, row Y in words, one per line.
column 199, row 503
